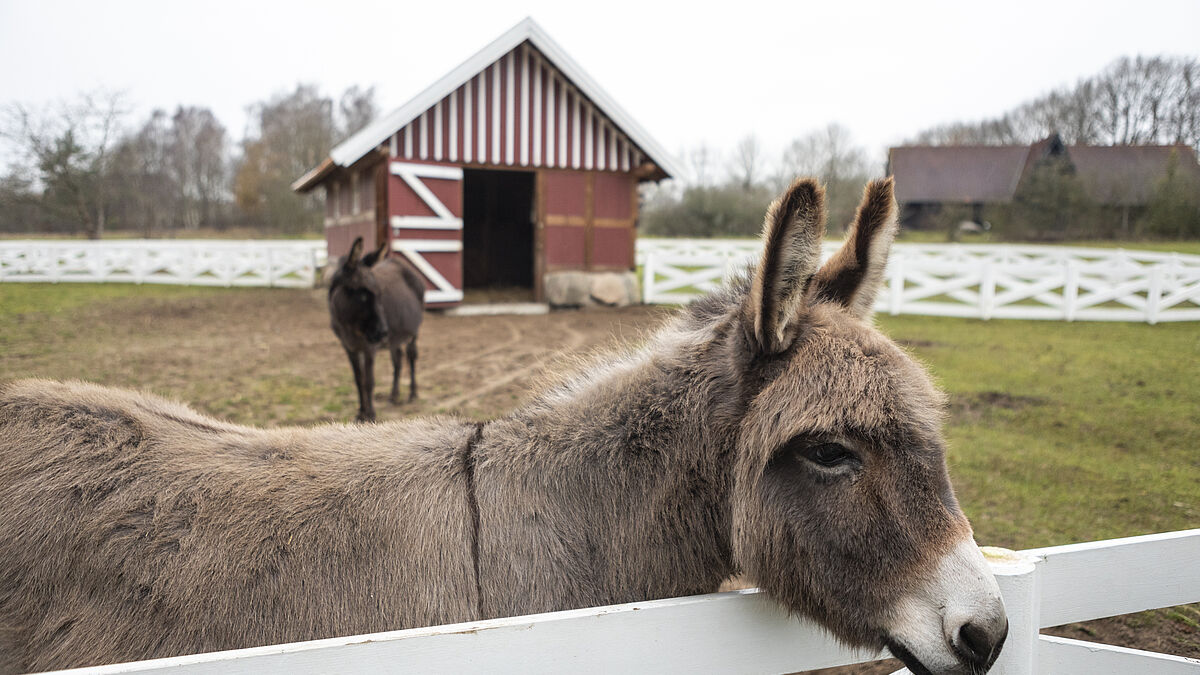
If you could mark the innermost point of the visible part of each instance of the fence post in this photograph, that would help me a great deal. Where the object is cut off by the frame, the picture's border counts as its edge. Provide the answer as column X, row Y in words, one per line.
column 648, row 277
column 1070, row 288
column 987, row 290
column 1154, row 294
column 1017, row 575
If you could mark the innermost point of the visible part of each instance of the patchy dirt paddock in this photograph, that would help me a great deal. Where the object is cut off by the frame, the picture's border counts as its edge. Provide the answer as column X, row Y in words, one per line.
column 268, row 358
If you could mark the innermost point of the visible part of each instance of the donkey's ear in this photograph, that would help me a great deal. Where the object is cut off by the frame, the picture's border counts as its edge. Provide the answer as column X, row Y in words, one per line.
column 375, row 256
column 853, row 275
column 351, row 259
column 792, row 233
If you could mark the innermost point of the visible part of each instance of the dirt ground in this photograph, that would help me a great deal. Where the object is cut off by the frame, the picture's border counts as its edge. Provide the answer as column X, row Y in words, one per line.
column 268, row 358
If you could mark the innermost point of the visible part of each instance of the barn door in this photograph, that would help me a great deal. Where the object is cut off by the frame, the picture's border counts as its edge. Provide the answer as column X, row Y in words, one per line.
column 425, row 201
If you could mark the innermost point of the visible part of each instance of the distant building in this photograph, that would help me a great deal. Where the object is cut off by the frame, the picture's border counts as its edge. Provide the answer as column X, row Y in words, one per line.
column 930, row 178
column 512, row 168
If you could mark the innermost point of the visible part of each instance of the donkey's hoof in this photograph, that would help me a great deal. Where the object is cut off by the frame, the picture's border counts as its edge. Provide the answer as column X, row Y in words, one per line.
column 394, row 399
column 365, row 418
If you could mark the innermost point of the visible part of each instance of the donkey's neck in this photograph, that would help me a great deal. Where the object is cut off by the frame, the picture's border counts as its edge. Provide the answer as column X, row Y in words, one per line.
column 624, row 472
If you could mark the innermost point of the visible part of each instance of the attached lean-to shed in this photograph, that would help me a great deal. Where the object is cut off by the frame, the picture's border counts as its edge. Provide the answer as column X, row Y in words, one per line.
column 515, row 169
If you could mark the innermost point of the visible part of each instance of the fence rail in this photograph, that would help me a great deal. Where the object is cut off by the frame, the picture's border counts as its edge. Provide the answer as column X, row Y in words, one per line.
column 985, row 281
column 194, row 262
column 745, row 632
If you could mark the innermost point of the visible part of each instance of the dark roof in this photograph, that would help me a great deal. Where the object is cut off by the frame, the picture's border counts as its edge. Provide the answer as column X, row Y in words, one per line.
column 1117, row 175
column 1126, row 175
column 962, row 173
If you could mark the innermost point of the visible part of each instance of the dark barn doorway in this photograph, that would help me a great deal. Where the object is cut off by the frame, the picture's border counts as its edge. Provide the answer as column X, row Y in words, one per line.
column 498, row 230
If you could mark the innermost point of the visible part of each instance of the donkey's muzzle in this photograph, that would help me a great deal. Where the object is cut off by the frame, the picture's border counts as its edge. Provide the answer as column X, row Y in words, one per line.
column 953, row 621
column 978, row 642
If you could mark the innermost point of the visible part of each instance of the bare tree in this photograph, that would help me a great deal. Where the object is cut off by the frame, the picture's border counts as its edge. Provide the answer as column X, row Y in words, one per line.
column 70, row 150
column 702, row 158
column 146, row 191
column 1140, row 100
column 747, row 161
column 291, row 134
column 198, row 163
column 831, row 155
column 356, row 109
column 828, row 153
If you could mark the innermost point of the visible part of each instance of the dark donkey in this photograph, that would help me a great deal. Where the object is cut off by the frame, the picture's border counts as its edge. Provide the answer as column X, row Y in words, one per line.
column 374, row 298
column 767, row 429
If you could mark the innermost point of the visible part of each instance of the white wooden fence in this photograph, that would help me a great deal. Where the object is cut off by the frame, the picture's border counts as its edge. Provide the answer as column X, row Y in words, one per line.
column 985, row 281
column 195, row 262
column 745, row 632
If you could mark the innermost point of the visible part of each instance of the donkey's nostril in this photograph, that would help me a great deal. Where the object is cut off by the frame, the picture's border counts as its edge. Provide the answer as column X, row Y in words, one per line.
column 980, row 646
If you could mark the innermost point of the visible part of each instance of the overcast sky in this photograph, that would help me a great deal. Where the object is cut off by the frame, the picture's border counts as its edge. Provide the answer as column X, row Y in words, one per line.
column 688, row 73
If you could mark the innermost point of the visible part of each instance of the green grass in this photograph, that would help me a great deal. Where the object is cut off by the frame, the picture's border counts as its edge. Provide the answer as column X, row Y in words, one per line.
column 23, row 298
column 1063, row 432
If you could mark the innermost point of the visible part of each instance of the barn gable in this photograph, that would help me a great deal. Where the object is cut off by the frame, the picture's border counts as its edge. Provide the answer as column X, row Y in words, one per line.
column 519, row 111
column 519, row 75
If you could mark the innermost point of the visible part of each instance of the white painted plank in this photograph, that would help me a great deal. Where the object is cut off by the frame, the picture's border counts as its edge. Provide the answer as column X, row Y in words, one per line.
column 468, row 120
column 423, row 150
column 737, row 632
column 426, row 223
column 1063, row 656
column 496, row 96
column 509, row 110
column 428, row 170
column 437, row 131
column 1106, row 578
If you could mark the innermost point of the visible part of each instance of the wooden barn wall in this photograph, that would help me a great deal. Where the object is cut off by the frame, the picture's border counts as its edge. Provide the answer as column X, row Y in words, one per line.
column 350, row 211
column 518, row 112
column 587, row 220
column 412, row 217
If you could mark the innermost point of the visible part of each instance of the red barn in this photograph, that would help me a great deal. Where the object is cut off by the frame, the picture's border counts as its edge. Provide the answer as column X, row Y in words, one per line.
column 514, row 167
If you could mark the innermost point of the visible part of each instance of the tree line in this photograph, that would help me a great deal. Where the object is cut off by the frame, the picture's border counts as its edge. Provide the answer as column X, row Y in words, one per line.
column 1141, row 100
column 726, row 194
column 1133, row 101
column 82, row 166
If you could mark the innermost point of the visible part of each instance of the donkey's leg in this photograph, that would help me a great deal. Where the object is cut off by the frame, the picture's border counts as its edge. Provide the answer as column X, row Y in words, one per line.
column 368, row 389
column 397, row 365
column 356, row 366
column 411, row 351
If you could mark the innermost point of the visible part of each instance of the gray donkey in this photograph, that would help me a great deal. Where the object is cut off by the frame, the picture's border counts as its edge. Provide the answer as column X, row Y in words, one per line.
column 373, row 298
column 767, row 429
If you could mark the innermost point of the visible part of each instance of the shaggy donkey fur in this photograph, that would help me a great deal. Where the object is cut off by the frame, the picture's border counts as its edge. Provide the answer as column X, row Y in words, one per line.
column 766, row 429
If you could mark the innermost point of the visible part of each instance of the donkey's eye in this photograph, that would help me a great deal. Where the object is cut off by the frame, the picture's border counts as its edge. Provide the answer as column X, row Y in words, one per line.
column 828, row 454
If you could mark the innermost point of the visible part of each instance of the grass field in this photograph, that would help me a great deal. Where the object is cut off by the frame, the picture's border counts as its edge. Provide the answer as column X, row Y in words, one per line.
column 1059, row 432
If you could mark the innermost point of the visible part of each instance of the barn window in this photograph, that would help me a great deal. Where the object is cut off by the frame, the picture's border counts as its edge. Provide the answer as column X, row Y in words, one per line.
column 356, row 202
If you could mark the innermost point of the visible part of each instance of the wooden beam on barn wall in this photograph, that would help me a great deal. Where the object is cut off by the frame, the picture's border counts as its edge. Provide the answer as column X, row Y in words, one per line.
column 539, row 236
column 589, row 215
column 382, row 227
column 634, row 204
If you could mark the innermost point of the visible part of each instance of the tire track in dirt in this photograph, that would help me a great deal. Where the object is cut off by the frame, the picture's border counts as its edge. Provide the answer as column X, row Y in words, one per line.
column 575, row 340
column 462, row 364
